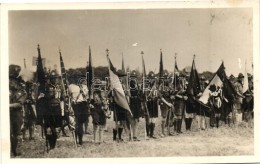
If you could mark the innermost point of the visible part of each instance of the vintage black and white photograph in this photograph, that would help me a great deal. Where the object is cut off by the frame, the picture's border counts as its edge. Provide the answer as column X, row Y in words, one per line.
column 110, row 82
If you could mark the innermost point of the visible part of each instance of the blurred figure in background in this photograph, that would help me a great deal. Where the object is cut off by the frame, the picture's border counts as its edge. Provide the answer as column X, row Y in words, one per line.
column 18, row 96
column 29, row 112
column 237, row 106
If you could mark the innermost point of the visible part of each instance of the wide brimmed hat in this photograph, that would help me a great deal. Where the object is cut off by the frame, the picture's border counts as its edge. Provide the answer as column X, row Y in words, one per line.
column 53, row 75
column 240, row 76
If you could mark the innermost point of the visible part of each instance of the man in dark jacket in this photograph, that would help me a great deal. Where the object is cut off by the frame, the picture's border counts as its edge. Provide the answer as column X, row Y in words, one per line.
column 17, row 96
column 135, row 103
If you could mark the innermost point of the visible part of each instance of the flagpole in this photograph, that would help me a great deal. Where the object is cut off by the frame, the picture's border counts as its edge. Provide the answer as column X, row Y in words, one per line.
column 143, row 92
column 115, row 110
column 174, row 71
column 24, row 62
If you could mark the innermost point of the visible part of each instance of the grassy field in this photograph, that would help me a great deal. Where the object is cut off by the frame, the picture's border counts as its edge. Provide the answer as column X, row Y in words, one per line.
column 225, row 141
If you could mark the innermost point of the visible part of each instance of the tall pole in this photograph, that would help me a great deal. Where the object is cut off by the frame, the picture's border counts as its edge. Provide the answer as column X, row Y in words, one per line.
column 115, row 110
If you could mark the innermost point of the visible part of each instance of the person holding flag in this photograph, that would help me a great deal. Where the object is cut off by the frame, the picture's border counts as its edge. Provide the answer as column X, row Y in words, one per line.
column 152, row 104
column 222, row 84
column 193, row 92
column 80, row 106
column 248, row 101
column 119, row 102
column 53, row 114
column 179, row 103
column 166, row 105
column 237, row 106
column 17, row 97
column 135, row 103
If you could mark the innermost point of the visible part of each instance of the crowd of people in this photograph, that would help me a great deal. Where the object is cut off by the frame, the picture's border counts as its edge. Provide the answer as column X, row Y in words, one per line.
column 54, row 108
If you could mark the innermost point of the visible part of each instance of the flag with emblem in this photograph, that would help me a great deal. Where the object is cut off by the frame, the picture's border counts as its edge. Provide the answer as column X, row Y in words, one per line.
column 220, row 80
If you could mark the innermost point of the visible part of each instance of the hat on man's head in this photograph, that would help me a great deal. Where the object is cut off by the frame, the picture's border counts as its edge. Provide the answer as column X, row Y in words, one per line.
column 151, row 74
column 240, row 76
column 166, row 74
column 231, row 77
column 14, row 70
column 213, row 88
column 202, row 77
column 133, row 73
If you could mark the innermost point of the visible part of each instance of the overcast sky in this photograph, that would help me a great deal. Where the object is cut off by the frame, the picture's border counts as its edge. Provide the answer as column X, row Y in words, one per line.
column 212, row 34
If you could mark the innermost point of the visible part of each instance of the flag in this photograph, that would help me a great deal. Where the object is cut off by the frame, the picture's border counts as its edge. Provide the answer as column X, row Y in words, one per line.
column 40, row 72
column 193, row 87
column 64, row 74
column 143, row 66
column 176, row 70
column 90, row 72
column 35, row 61
column 220, row 80
column 116, row 86
column 26, row 74
column 245, row 85
column 160, row 68
column 123, row 64
column 125, row 80
column 24, row 63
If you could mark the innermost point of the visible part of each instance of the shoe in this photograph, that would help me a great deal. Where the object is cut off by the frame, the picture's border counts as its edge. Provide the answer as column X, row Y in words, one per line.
column 171, row 134
column 89, row 133
column 31, row 138
column 162, row 135
column 135, row 139
column 153, row 137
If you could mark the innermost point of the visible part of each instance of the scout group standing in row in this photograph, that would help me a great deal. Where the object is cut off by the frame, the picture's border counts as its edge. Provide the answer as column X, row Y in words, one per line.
column 53, row 111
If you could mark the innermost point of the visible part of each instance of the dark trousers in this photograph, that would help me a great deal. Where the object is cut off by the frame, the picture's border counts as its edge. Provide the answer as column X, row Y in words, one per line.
column 16, row 121
column 188, row 122
column 52, row 121
column 80, row 111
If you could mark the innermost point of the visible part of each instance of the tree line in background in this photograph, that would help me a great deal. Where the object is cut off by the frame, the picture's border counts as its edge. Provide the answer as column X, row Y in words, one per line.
column 100, row 72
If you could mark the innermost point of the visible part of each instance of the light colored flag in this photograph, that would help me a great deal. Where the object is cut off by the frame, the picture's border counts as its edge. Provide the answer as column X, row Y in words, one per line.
column 116, row 86
column 26, row 74
column 239, row 63
column 220, row 80
column 205, row 96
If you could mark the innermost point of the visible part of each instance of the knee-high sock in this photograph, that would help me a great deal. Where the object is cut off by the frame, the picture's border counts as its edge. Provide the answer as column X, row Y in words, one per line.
column 101, row 134
column 179, row 123
column 31, row 131
column 95, row 133
column 187, row 123
column 14, row 142
column 163, row 127
column 217, row 121
column 114, row 134
column 147, row 130
column 134, row 128
column 120, row 130
column 152, row 126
